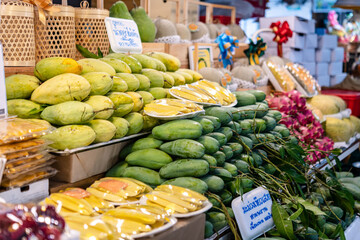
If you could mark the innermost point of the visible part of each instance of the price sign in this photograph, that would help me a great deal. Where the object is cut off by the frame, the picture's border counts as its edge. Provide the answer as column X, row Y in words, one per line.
column 3, row 105
column 253, row 213
column 123, row 35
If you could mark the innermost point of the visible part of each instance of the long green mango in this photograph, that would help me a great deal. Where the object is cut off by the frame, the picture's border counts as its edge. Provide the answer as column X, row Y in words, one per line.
column 178, row 129
column 149, row 158
column 185, row 168
column 146, row 143
column 191, row 183
column 185, row 148
column 145, row 175
column 211, row 144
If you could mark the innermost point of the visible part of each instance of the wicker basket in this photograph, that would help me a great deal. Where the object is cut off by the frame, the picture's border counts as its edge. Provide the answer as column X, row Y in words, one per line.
column 17, row 33
column 91, row 31
column 57, row 37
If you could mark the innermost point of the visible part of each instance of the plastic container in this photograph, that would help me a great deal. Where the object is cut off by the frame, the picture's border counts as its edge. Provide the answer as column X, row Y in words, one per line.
column 351, row 98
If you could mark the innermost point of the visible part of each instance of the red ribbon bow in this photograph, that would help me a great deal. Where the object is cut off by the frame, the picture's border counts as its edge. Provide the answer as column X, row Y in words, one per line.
column 282, row 34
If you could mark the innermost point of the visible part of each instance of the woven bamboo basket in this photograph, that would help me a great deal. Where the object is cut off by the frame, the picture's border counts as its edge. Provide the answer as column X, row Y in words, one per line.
column 56, row 38
column 91, row 31
column 17, row 33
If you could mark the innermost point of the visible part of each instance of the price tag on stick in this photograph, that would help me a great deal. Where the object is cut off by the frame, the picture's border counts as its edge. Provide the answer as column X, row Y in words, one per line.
column 253, row 213
column 3, row 104
column 123, row 35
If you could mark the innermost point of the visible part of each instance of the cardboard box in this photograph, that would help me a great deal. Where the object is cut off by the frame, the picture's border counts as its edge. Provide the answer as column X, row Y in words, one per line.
column 323, row 81
column 335, row 68
column 338, row 78
column 34, row 192
column 78, row 166
column 323, row 55
column 327, row 41
column 309, row 55
column 322, row 69
column 296, row 41
column 310, row 66
column 296, row 24
column 337, row 54
column 293, row 54
column 311, row 40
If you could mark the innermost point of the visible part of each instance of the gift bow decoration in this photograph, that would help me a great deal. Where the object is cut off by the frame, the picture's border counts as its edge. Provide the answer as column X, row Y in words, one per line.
column 255, row 51
column 43, row 5
column 227, row 45
column 282, row 34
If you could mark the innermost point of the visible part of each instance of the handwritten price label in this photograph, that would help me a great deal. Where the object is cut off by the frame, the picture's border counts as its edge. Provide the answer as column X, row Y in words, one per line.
column 253, row 213
column 3, row 105
column 123, row 35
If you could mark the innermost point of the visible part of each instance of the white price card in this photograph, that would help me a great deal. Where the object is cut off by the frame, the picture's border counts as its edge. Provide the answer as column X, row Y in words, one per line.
column 123, row 35
column 253, row 213
column 3, row 105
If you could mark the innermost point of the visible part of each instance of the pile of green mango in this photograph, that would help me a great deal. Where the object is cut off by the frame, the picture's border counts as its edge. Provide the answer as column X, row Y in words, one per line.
column 95, row 100
column 207, row 152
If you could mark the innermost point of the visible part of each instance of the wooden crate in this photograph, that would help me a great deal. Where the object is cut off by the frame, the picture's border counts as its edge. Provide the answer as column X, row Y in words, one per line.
column 153, row 47
column 181, row 51
column 19, row 70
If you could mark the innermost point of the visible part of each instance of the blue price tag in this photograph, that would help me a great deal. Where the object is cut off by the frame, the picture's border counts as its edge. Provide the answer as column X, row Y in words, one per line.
column 123, row 35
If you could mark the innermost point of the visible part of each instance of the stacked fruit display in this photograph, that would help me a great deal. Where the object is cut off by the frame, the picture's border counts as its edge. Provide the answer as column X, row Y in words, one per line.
column 95, row 100
column 206, row 153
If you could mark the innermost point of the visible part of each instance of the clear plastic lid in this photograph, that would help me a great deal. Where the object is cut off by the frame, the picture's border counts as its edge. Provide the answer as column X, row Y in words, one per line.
column 15, row 172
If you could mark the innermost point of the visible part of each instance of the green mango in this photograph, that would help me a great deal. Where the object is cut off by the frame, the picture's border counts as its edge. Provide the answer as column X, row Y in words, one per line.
column 242, row 166
column 275, row 114
column 101, row 82
column 169, row 81
column 50, row 67
column 126, row 150
column 227, row 131
column 220, row 158
column 102, row 106
column 95, row 65
column 149, row 158
column 119, row 85
column 270, row 169
column 118, row 65
column 178, row 129
column 235, row 112
column 132, row 62
column 235, row 126
column 188, row 77
column 117, row 170
column 211, row 160
column 231, row 168
column 146, row 96
column 24, row 108
column 223, row 114
column 136, row 122
column 145, row 25
column 211, row 144
column 244, row 98
column 283, row 131
column 216, row 121
column 123, row 103
column 71, row 136
column 71, row 112
column 144, row 175
column 120, row 10
column 226, row 197
column 207, row 124
column 236, row 148
column 144, row 82
column 178, row 78
column 122, row 126
column 191, row 183
column 146, row 143
column 160, row 66
column 158, row 92
column 247, row 158
column 185, row 148
column 259, row 95
column 20, row 86
column 227, row 151
column 220, row 137
column 185, row 168
column 62, row 88
column 270, row 123
column 215, row 183
column 146, row 61
column 246, row 142
column 217, row 219
column 103, row 129
column 156, row 77
column 149, row 122
column 171, row 62
column 131, row 81
column 208, row 229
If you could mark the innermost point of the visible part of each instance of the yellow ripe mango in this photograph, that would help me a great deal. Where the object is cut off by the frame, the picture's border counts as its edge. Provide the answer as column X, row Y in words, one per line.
column 50, row 67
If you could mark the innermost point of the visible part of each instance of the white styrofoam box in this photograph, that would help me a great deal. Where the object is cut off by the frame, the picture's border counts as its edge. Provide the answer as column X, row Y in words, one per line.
column 293, row 54
column 335, row 68
column 337, row 54
column 338, row 78
column 311, row 40
column 323, row 55
column 322, row 69
column 323, row 81
column 309, row 55
column 296, row 41
column 296, row 24
column 327, row 41
column 33, row 192
column 311, row 26
column 310, row 66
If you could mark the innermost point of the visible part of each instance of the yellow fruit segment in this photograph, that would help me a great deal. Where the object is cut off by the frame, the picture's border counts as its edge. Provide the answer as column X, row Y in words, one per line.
column 166, row 204
column 132, row 214
column 73, row 204
column 182, row 192
column 174, row 199
column 107, row 196
column 124, row 225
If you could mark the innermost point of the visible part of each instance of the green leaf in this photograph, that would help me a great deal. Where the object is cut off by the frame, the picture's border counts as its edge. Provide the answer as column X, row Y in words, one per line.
column 344, row 199
column 295, row 175
column 336, row 151
column 282, row 152
column 296, row 214
column 337, row 231
column 100, row 54
column 283, row 225
column 85, row 52
column 308, row 206
column 338, row 163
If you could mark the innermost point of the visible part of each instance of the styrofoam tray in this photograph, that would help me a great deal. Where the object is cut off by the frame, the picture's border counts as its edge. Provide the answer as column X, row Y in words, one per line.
column 206, row 206
column 340, row 115
column 182, row 116
column 172, row 222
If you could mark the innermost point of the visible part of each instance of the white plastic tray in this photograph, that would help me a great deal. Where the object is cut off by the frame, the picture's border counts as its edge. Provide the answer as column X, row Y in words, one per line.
column 172, row 222
column 182, row 116
column 200, row 103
